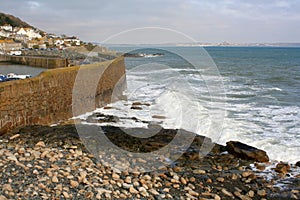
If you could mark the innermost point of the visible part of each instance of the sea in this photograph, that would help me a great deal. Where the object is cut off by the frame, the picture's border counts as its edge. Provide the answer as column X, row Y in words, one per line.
column 6, row 68
column 246, row 94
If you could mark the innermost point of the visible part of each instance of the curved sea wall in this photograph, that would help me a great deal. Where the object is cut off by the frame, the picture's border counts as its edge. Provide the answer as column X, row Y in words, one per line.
column 47, row 98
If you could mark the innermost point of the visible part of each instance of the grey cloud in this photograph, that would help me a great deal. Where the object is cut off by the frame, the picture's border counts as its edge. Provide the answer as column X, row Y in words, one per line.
column 205, row 20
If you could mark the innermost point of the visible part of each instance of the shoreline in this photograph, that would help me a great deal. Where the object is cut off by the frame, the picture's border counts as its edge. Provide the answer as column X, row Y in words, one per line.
column 59, row 166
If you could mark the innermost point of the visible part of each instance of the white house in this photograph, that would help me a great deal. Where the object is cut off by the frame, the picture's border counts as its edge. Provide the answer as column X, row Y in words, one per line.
column 58, row 42
column 31, row 34
column 7, row 27
column 71, row 40
column 21, row 31
column 4, row 33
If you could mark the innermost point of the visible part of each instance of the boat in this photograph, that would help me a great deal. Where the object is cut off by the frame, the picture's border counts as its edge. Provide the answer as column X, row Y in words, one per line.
column 12, row 76
column 16, row 76
column 3, row 78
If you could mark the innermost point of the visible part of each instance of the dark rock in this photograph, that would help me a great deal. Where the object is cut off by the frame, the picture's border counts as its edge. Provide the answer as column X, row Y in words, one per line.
column 282, row 168
column 140, row 104
column 136, row 108
column 246, row 152
column 298, row 164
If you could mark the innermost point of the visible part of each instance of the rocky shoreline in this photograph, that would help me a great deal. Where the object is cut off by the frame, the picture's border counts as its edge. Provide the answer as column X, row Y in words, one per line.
column 40, row 162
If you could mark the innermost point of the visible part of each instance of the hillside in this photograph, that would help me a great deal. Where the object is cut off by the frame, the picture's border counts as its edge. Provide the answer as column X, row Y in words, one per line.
column 12, row 20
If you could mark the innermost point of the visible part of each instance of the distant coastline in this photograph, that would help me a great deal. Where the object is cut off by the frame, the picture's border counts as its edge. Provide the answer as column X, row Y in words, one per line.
column 200, row 44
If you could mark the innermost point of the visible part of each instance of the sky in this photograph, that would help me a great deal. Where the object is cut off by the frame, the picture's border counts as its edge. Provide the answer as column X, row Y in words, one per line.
column 235, row 21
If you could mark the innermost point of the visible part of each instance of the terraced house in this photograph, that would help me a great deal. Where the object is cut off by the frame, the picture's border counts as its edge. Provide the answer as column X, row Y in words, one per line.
column 8, row 45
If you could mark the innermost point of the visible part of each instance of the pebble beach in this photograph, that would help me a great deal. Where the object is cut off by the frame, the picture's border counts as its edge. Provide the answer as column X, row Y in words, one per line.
column 41, row 162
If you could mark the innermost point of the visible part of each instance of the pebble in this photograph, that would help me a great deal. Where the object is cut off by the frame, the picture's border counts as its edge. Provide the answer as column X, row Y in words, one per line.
column 7, row 187
column 192, row 179
column 220, row 179
column 2, row 197
column 261, row 192
column 133, row 190
column 199, row 171
column 153, row 191
column 143, row 191
column 40, row 144
column 234, row 177
column 128, row 179
column 126, row 185
column 246, row 174
column 14, row 136
column 227, row 193
column 66, row 195
column 183, row 181
column 251, row 193
column 54, row 179
column 193, row 193
column 217, row 197
column 115, row 176
column 74, row 184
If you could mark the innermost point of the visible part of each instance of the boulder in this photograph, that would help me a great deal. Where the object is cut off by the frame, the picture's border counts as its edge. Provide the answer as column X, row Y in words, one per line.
column 244, row 151
column 298, row 164
column 282, row 168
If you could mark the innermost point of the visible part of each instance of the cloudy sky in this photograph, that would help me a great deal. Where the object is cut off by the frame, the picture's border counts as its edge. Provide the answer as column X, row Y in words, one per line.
column 204, row 20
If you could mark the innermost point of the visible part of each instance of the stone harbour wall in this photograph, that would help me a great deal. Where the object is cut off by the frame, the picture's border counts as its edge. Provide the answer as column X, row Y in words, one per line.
column 42, row 62
column 47, row 98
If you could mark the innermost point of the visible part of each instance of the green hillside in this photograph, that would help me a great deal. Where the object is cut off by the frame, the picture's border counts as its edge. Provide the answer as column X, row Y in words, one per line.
column 12, row 20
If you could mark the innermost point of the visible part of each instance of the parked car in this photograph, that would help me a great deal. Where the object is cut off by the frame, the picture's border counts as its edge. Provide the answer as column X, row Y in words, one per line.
column 15, row 53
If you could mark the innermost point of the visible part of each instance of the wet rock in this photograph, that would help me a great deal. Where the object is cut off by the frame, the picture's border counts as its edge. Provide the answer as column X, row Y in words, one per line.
column 246, row 152
column 260, row 166
column 282, row 168
column 140, row 104
column 158, row 117
column 136, row 108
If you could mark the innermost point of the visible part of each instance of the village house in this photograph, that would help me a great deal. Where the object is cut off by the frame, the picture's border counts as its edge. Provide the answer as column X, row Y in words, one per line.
column 72, row 41
column 33, row 44
column 6, row 27
column 58, row 42
column 8, row 45
column 29, row 32
column 22, row 38
column 4, row 33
